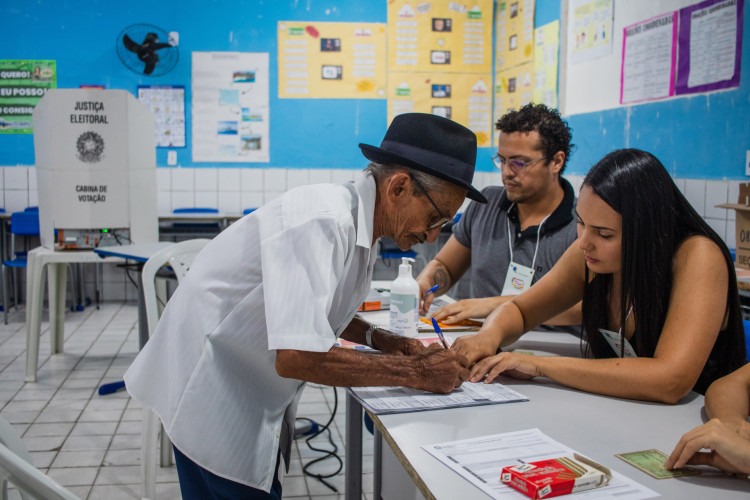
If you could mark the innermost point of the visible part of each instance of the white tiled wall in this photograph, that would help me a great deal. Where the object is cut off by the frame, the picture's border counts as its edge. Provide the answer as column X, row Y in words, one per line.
column 232, row 190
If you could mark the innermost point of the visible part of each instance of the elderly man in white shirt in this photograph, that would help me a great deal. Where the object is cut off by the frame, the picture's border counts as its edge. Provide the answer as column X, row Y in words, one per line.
column 259, row 312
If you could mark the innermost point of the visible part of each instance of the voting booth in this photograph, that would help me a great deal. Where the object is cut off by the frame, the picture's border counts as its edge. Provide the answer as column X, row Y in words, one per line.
column 96, row 169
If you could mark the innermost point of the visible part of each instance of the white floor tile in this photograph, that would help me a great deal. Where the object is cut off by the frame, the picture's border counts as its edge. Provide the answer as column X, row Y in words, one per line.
column 119, row 474
column 87, row 458
column 93, row 428
column 74, row 476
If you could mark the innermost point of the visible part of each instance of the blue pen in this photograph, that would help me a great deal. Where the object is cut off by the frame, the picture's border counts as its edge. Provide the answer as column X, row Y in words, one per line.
column 439, row 332
column 428, row 292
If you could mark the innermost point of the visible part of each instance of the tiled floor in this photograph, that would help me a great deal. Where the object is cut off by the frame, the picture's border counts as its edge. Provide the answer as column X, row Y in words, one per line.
column 90, row 443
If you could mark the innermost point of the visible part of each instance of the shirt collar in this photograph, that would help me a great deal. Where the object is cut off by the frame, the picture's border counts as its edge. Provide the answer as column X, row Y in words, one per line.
column 365, row 186
column 561, row 216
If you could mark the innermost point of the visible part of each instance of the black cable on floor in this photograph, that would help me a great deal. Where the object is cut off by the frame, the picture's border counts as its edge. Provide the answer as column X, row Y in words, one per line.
column 328, row 453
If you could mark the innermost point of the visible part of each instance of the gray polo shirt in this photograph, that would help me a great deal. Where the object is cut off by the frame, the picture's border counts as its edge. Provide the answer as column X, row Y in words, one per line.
column 484, row 229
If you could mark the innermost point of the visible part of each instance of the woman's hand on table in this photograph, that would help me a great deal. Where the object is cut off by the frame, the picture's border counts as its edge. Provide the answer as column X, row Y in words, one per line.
column 729, row 451
column 522, row 366
column 475, row 347
column 465, row 309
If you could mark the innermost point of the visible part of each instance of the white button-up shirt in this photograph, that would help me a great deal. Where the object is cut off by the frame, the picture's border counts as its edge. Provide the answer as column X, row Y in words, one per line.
column 290, row 275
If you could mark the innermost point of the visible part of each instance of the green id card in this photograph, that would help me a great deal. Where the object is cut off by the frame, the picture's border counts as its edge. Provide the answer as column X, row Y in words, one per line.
column 652, row 463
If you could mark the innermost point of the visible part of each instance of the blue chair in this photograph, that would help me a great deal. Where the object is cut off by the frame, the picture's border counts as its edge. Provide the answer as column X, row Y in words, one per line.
column 387, row 249
column 193, row 228
column 195, row 210
column 248, row 211
column 22, row 224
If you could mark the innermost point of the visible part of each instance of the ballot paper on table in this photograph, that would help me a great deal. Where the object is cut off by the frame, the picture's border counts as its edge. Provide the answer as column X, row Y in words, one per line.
column 387, row 400
column 481, row 459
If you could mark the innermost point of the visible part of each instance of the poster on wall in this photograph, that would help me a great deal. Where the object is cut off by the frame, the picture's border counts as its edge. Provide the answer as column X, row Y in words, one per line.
column 514, row 27
column 590, row 30
column 446, row 37
column 463, row 98
column 230, row 107
column 513, row 88
column 331, row 60
column 710, row 46
column 167, row 103
column 649, row 50
column 22, row 84
column 546, row 49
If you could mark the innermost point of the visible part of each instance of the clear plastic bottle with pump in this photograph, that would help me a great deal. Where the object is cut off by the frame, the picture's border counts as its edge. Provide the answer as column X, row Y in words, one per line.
column 405, row 301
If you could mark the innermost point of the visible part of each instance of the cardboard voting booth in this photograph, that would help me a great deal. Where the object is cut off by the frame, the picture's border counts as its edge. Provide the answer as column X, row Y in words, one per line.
column 742, row 222
column 96, row 169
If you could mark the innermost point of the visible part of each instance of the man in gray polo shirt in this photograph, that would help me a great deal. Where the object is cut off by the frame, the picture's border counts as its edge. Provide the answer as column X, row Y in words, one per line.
column 513, row 240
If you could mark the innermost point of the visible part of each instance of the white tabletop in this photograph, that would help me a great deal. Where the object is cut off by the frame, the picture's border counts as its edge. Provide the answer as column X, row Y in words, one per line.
column 597, row 426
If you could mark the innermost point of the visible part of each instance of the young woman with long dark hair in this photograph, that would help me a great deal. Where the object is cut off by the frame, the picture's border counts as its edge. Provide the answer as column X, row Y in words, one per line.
column 661, row 310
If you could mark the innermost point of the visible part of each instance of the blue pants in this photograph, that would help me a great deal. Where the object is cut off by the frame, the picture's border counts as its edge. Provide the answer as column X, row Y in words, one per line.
column 196, row 483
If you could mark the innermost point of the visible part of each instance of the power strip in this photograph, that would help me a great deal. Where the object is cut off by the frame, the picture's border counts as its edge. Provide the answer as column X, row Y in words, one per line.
column 86, row 239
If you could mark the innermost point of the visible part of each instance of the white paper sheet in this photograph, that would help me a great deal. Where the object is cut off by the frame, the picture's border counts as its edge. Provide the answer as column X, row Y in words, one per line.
column 480, row 461
column 385, row 400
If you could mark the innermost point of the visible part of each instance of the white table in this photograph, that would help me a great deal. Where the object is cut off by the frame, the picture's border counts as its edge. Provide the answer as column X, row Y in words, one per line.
column 56, row 264
column 597, row 426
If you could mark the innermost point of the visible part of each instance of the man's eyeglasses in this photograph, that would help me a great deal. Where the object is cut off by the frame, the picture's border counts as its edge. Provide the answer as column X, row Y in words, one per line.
column 443, row 219
column 514, row 163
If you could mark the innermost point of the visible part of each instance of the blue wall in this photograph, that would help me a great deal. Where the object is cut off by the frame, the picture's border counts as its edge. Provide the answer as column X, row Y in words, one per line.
column 80, row 36
column 704, row 136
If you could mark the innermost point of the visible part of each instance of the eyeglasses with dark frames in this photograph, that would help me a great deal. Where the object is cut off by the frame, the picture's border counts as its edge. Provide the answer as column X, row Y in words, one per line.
column 514, row 163
column 443, row 219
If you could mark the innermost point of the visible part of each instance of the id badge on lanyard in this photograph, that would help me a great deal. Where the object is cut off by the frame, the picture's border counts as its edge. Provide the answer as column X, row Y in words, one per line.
column 615, row 340
column 517, row 279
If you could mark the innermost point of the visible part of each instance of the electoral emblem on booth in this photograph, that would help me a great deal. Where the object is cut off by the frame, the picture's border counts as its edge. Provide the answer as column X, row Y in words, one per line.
column 90, row 146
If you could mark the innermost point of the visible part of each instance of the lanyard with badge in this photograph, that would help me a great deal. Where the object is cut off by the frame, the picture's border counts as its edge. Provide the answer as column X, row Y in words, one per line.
column 519, row 277
column 618, row 340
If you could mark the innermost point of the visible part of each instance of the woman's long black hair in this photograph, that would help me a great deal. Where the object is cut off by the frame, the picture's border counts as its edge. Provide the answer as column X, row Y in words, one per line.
column 656, row 219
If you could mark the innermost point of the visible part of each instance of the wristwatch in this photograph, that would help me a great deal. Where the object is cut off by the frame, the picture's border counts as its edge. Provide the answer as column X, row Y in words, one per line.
column 368, row 335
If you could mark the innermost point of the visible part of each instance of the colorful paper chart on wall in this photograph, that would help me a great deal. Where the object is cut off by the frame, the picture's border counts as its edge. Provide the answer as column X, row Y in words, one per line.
column 513, row 88
column 230, row 107
column 590, row 36
column 167, row 103
column 515, row 33
column 546, row 49
column 464, row 98
column 331, row 60
column 449, row 37
column 22, row 85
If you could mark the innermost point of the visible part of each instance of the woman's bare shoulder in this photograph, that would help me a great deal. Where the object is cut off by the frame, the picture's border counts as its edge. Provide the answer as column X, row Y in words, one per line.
column 701, row 251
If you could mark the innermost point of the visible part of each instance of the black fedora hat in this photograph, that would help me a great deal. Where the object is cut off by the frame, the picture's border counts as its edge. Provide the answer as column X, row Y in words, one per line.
column 431, row 144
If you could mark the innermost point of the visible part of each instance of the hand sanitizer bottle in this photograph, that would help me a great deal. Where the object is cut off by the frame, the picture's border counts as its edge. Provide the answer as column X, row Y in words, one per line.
column 404, row 301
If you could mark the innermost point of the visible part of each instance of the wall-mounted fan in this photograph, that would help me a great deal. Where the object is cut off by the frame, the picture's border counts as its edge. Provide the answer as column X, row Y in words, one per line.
column 147, row 50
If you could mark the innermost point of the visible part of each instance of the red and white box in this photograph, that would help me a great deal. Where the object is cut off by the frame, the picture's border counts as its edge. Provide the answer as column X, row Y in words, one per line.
column 556, row 476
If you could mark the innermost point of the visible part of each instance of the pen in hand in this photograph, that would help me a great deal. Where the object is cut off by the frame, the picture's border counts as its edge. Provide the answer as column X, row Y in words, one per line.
column 428, row 292
column 439, row 333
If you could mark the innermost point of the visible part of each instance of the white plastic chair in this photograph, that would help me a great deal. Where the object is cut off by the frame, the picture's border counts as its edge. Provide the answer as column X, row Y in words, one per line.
column 16, row 468
column 179, row 257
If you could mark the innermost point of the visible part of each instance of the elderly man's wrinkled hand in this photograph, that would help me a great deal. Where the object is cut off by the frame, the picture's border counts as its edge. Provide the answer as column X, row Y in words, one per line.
column 401, row 346
column 440, row 370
